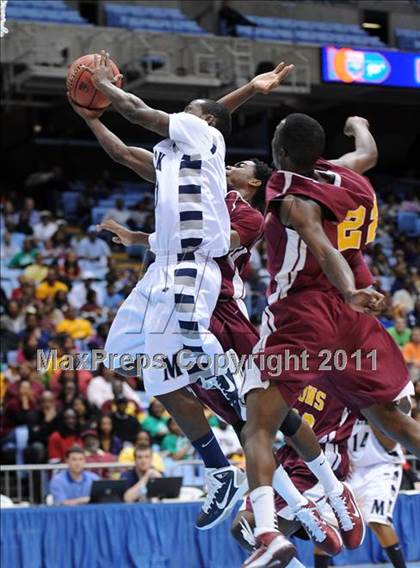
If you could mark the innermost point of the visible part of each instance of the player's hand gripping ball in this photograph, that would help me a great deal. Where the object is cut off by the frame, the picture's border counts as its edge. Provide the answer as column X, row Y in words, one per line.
column 80, row 86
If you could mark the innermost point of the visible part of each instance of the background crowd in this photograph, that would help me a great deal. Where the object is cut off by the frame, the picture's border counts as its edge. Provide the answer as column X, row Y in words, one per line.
column 61, row 284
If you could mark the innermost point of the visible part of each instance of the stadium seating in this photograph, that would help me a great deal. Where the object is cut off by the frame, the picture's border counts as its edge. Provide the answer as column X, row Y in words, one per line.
column 306, row 31
column 151, row 18
column 56, row 11
column 407, row 39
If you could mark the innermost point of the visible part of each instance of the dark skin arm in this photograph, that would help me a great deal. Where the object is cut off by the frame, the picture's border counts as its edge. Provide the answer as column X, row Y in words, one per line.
column 129, row 106
column 263, row 84
column 305, row 216
column 365, row 155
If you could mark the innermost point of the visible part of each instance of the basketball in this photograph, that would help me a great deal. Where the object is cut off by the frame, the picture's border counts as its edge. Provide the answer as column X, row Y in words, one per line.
column 80, row 87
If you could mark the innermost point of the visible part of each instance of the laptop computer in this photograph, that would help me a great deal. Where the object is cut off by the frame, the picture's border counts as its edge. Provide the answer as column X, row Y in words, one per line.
column 108, row 491
column 164, row 487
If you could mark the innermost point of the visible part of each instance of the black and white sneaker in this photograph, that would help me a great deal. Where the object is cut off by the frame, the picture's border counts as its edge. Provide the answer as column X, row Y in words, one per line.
column 225, row 487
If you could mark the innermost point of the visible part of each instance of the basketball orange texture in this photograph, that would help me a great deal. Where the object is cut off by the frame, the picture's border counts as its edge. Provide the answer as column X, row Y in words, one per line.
column 80, row 87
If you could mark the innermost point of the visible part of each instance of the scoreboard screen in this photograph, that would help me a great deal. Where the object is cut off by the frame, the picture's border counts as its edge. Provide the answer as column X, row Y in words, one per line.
column 370, row 67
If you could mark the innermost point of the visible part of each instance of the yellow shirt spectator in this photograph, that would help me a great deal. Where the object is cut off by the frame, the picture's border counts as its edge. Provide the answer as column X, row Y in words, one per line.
column 127, row 456
column 50, row 286
column 77, row 328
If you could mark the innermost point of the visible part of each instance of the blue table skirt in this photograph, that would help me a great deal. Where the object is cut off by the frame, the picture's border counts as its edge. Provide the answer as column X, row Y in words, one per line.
column 154, row 536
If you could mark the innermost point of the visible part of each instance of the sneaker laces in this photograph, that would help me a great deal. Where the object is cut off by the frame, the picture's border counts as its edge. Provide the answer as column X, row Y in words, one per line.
column 310, row 522
column 247, row 532
column 338, row 503
column 213, row 486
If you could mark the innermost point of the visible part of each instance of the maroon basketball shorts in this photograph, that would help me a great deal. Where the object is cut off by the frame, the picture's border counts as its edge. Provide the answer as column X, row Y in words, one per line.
column 314, row 334
column 234, row 331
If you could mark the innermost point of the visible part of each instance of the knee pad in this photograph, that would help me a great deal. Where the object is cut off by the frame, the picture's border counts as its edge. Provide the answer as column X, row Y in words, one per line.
column 291, row 424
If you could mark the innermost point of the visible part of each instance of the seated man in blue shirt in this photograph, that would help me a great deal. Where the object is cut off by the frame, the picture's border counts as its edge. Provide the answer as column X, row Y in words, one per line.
column 138, row 477
column 72, row 487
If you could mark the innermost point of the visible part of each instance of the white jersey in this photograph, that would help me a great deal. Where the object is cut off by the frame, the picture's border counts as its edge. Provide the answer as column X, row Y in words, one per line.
column 190, row 210
column 365, row 450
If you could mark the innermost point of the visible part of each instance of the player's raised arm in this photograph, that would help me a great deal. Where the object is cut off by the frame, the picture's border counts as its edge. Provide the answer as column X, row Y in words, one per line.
column 263, row 84
column 137, row 159
column 365, row 155
column 131, row 107
column 305, row 216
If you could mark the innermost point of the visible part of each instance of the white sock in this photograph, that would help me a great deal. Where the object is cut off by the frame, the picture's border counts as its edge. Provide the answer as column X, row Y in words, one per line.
column 294, row 563
column 262, row 499
column 285, row 487
column 321, row 468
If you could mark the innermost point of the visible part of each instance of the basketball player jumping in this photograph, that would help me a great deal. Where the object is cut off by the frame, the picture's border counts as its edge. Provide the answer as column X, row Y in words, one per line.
column 317, row 209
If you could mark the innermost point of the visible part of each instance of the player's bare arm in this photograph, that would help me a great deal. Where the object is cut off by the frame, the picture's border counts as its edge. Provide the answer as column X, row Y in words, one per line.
column 127, row 237
column 263, row 84
column 305, row 216
column 128, row 105
column 386, row 443
column 365, row 155
column 137, row 159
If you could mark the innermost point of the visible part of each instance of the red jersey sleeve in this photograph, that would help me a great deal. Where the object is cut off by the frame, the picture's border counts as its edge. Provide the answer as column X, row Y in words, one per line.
column 245, row 220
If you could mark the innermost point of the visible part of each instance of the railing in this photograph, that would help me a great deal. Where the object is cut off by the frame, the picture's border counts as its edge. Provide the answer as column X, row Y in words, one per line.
column 29, row 482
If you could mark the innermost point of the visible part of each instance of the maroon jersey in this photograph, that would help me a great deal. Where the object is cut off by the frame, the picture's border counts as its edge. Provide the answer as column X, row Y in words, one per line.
column 330, row 420
column 350, row 222
column 248, row 223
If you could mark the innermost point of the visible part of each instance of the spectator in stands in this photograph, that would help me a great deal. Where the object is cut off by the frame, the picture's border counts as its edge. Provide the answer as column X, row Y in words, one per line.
column 73, row 487
column 68, row 267
column 46, row 228
column 119, row 213
column 400, row 332
column 87, row 417
column 143, row 439
column 50, row 286
column 91, row 308
column 66, row 436
column 19, row 417
column 108, row 441
column 37, row 271
column 14, row 320
column 112, row 298
column 156, row 423
column 29, row 208
column 78, row 293
column 93, row 252
column 94, row 453
column 126, row 427
column 411, row 353
column 177, row 446
column 403, row 299
column 98, row 340
column 47, row 419
column 23, row 225
column 25, row 372
column 227, row 438
column 138, row 477
column 8, row 249
column 76, row 327
column 26, row 256
column 100, row 388
column 81, row 378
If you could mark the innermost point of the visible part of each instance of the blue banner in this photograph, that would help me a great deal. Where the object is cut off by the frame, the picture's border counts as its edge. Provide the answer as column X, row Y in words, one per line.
column 370, row 67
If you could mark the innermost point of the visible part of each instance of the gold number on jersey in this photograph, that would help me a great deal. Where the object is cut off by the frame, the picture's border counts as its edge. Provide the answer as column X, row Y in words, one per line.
column 373, row 225
column 309, row 419
column 349, row 234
